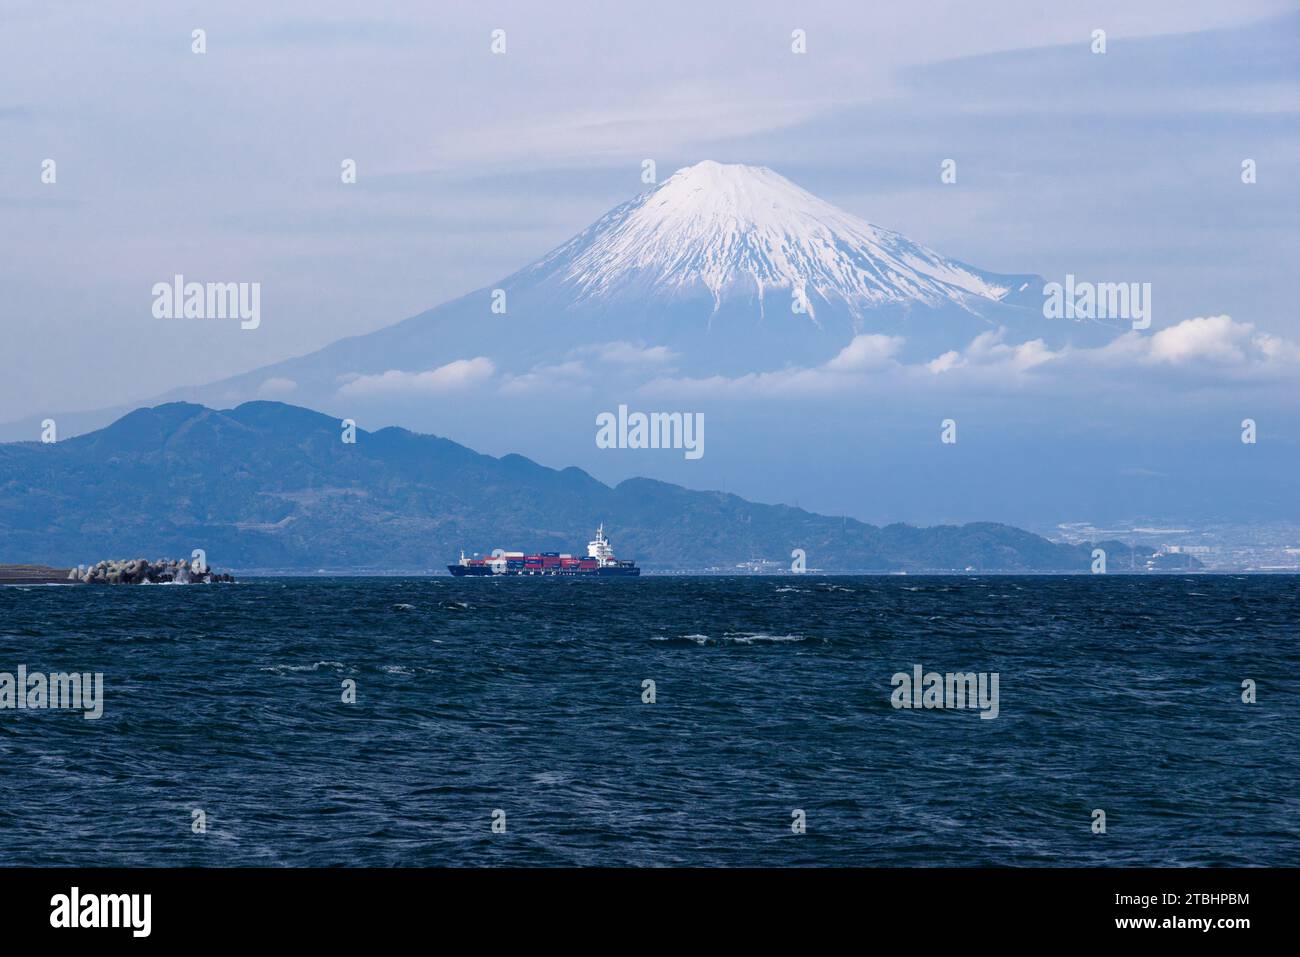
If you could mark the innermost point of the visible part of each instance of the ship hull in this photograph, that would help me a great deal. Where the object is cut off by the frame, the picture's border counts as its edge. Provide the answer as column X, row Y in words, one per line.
column 599, row 562
column 463, row 571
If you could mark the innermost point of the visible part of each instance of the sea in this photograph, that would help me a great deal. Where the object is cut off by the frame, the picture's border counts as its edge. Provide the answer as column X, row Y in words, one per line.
column 662, row 721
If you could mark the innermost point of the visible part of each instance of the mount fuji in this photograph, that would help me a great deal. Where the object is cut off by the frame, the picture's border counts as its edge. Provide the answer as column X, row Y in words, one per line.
column 728, row 233
column 720, row 269
column 673, row 300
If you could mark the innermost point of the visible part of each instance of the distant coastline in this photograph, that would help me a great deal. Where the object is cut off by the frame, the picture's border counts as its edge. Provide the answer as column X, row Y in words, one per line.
column 47, row 575
column 282, row 487
column 34, row 575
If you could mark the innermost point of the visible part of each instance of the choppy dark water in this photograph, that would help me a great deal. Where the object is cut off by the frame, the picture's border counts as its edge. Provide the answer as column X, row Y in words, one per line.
column 772, row 694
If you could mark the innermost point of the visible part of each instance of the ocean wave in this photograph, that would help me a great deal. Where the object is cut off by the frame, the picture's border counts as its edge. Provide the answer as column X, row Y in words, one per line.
column 734, row 638
column 286, row 669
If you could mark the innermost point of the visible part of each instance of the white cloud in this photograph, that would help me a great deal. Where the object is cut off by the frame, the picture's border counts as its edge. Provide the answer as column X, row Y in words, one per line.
column 1216, row 339
column 1194, row 346
column 545, row 377
column 951, row 359
column 452, row 377
column 870, row 353
column 277, row 386
column 1217, row 343
column 988, row 348
column 865, row 353
column 630, row 354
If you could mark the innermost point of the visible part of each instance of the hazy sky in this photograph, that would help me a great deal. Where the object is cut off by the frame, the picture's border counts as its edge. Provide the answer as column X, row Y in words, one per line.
column 225, row 166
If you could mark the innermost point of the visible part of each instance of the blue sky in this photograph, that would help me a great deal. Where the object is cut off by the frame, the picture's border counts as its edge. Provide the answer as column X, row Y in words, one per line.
column 471, row 165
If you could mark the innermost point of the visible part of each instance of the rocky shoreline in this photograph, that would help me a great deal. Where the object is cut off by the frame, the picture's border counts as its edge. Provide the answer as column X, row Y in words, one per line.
column 135, row 571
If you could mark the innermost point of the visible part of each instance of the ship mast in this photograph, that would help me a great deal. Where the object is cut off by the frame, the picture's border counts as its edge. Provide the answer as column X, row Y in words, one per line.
column 599, row 548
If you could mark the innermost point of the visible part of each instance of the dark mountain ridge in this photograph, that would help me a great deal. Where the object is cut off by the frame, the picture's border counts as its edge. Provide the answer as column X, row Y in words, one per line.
column 269, row 486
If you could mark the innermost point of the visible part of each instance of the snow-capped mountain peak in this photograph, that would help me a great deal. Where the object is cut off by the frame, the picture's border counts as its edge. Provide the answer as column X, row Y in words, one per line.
column 693, row 278
column 730, row 229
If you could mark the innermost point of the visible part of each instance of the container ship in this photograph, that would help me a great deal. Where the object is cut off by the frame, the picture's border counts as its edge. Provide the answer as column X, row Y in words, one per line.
column 599, row 562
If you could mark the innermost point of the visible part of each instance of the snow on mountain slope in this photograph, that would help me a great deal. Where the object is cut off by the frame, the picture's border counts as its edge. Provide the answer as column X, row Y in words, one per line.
column 698, row 273
column 726, row 228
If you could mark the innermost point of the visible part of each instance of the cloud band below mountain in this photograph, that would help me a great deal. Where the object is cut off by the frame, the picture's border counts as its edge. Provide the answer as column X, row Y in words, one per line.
column 451, row 377
column 1201, row 350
